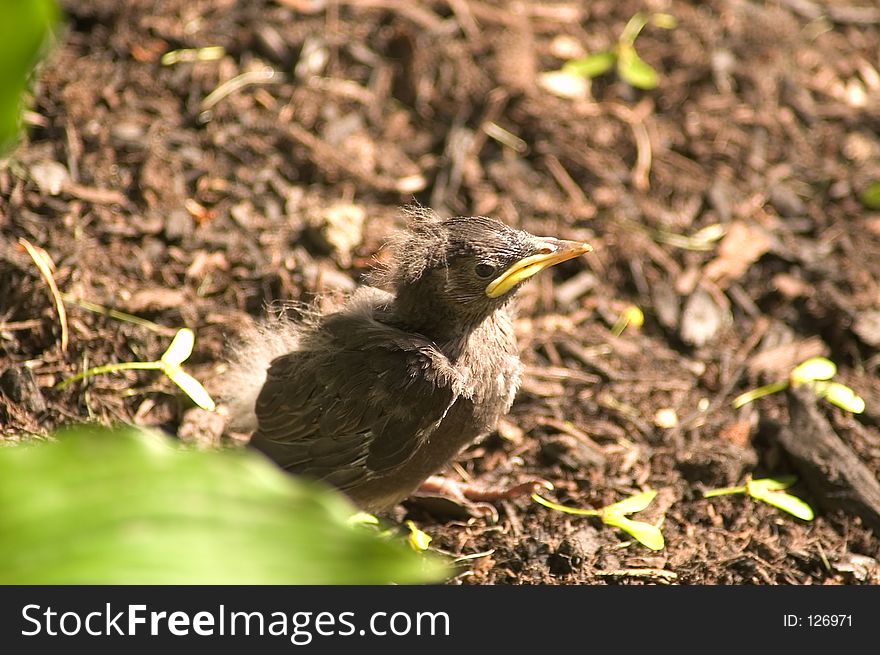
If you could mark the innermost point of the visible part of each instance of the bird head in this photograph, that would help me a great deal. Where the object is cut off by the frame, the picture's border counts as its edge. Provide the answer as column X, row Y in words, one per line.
column 460, row 270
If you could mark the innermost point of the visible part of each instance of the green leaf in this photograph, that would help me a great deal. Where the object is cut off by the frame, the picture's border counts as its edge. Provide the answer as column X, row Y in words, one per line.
column 815, row 368
column 181, row 347
column 786, row 502
column 25, row 27
column 634, row 70
column 769, row 490
column 840, row 395
column 592, row 65
column 870, row 195
column 126, row 506
column 754, row 487
column 645, row 533
column 190, row 386
column 632, row 504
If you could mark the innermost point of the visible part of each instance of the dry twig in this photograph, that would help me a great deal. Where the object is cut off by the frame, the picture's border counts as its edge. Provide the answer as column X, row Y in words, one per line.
column 47, row 267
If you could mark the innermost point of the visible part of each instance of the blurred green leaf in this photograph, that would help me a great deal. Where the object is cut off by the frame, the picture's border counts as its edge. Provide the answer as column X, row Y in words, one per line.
column 840, row 395
column 25, row 26
column 634, row 70
column 870, row 196
column 592, row 65
column 125, row 506
column 815, row 368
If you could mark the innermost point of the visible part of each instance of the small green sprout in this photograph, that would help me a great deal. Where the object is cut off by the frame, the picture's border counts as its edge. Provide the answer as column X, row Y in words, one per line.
column 631, row 68
column 816, row 373
column 615, row 516
column 770, row 491
column 178, row 352
column 632, row 315
column 208, row 53
column 418, row 540
column 870, row 196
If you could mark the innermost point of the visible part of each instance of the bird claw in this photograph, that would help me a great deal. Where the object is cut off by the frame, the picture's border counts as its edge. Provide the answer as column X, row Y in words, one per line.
column 518, row 491
column 472, row 500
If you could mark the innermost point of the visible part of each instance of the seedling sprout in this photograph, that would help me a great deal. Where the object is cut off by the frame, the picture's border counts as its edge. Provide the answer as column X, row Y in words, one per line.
column 632, row 315
column 770, row 491
column 631, row 68
column 815, row 373
column 169, row 363
column 418, row 540
column 615, row 516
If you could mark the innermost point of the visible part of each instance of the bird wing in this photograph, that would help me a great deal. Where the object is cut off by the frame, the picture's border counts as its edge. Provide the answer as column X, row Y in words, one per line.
column 356, row 405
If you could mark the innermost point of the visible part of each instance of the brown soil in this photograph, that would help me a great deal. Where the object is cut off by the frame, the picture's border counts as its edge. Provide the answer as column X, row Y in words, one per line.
column 155, row 197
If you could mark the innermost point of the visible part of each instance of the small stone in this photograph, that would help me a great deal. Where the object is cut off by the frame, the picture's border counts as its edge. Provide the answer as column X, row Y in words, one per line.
column 666, row 418
column 566, row 47
column 701, row 319
column 867, row 327
column 565, row 85
column 718, row 196
column 50, row 176
column 273, row 45
column 786, row 201
column 860, row 567
column 178, row 225
column 128, row 133
column 667, row 307
column 19, row 385
column 338, row 229
column 737, row 433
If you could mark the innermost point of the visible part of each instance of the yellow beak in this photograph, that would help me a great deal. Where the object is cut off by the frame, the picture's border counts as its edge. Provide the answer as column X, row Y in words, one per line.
column 549, row 253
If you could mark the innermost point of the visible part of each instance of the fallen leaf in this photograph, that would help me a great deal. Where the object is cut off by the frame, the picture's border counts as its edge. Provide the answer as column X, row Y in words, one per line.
column 741, row 247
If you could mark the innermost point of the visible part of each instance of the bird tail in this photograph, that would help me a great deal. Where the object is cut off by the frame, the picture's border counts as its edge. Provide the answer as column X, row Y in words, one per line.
column 250, row 357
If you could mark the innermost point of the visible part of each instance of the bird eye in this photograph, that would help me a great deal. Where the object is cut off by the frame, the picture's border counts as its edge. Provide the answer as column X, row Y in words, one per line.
column 484, row 270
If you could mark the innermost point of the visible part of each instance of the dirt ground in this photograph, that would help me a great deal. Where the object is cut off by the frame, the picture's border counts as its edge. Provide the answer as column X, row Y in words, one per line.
column 724, row 204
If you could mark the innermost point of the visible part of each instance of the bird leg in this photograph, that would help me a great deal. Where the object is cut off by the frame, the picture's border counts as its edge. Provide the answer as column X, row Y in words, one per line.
column 477, row 501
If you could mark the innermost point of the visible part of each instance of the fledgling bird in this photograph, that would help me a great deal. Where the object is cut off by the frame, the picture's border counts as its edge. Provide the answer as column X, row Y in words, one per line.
column 378, row 396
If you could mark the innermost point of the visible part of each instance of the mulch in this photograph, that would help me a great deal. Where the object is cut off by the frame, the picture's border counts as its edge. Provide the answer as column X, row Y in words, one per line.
column 724, row 204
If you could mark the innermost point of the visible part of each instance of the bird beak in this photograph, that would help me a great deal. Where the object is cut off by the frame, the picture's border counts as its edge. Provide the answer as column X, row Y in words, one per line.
column 548, row 252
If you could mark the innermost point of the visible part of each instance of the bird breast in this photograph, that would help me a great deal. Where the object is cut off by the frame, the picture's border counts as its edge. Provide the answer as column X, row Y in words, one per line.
column 490, row 368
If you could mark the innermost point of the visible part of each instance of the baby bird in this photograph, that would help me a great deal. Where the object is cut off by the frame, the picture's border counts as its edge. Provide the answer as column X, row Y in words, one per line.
column 378, row 396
